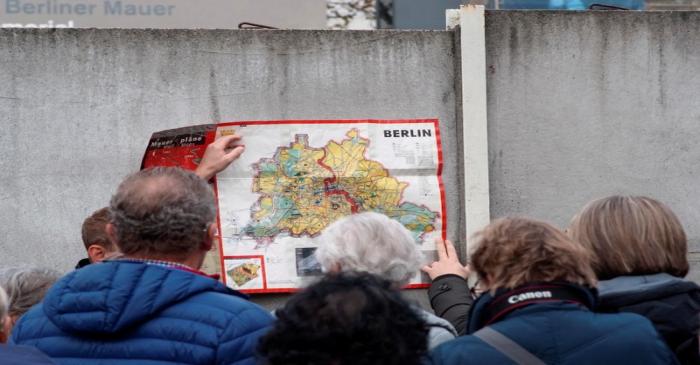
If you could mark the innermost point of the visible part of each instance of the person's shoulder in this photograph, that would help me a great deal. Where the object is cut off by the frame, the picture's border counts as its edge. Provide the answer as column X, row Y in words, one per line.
column 227, row 305
column 622, row 322
column 622, row 326
column 624, row 332
column 35, row 317
column 441, row 330
column 25, row 355
column 625, row 338
column 464, row 350
column 634, row 290
column 435, row 321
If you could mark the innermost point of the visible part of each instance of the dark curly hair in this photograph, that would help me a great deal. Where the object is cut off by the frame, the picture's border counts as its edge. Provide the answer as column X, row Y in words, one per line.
column 344, row 319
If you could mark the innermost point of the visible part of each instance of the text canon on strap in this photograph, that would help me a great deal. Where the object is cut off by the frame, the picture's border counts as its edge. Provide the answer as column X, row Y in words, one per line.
column 506, row 302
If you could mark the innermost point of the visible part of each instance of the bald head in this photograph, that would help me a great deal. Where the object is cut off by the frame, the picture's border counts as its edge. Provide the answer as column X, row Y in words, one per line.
column 162, row 211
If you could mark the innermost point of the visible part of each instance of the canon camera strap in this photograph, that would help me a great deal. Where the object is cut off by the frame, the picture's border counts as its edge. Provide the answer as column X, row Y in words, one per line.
column 506, row 302
column 508, row 347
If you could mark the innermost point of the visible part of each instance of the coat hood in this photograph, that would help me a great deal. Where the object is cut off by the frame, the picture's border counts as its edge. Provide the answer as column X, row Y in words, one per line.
column 113, row 296
column 629, row 290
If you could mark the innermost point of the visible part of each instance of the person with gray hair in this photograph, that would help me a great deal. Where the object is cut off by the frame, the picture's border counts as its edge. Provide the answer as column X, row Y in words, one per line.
column 11, row 354
column 374, row 243
column 25, row 288
column 152, row 304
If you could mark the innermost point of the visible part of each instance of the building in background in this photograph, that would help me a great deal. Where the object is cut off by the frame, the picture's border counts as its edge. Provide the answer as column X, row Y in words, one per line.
column 351, row 14
column 424, row 14
column 682, row 5
column 285, row 14
column 562, row 4
column 673, row 5
column 183, row 14
column 414, row 14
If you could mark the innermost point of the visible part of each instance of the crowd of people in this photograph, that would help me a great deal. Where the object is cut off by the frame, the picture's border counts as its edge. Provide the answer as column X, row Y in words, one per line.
column 609, row 289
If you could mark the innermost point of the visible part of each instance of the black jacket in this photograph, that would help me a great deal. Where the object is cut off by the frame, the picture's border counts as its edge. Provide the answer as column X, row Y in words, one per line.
column 450, row 299
column 672, row 304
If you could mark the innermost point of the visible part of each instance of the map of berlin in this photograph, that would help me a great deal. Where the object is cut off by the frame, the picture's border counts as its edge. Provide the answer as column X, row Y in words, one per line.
column 304, row 189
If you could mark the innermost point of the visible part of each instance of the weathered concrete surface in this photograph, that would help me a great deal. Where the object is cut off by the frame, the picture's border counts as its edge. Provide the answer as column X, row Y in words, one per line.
column 78, row 108
column 581, row 105
column 584, row 105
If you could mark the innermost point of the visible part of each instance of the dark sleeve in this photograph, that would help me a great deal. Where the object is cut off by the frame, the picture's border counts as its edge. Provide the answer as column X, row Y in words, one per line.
column 450, row 299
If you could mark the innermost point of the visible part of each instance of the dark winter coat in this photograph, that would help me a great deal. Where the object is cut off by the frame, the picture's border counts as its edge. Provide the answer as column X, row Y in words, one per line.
column 560, row 333
column 123, row 312
column 672, row 305
column 450, row 299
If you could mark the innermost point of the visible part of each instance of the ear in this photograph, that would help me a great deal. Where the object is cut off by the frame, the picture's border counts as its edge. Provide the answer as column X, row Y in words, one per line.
column 335, row 268
column 96, row 253
column 212, row 232
column 111, row 231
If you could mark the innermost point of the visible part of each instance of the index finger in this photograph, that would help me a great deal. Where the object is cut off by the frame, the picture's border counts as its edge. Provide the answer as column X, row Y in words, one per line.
column 451, row 251
column 441, row 250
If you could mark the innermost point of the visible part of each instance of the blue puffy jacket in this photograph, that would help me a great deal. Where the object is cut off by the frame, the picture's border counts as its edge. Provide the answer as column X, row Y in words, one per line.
column 129, row 312
column 560, row 333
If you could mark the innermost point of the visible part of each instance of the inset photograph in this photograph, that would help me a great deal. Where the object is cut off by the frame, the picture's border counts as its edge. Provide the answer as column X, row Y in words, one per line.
column 306, row 262
column 244, row 273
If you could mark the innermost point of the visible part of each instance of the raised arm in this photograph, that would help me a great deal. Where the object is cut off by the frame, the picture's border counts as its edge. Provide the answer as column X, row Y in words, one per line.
column 219, row 156
column 449, row 292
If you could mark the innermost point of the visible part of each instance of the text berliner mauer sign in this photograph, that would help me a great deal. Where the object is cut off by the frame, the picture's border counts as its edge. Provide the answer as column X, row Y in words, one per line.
column 182, row 14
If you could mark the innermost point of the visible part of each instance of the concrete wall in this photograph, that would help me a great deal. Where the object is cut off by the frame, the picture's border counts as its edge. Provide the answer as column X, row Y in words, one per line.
column 584, row 105
column 581, row 105
column 77, row 108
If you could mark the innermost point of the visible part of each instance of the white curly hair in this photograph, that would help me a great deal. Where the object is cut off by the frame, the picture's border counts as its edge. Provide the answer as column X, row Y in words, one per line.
column 370, row 242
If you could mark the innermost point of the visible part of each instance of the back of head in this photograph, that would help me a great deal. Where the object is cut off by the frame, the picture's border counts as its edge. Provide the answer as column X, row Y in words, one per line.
column 345, row 319
column 26, row 287
column 94, row 229
column 516, row 251
column 631, row 235
column 162, row 211
column 370, row 242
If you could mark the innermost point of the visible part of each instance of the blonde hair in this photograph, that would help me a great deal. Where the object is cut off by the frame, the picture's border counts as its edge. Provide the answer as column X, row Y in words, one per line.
column 631, row 235
column 515, row 251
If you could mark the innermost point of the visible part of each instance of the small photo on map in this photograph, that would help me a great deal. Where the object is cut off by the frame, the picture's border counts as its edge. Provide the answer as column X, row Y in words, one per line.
column 306, row 262
column 244, row 273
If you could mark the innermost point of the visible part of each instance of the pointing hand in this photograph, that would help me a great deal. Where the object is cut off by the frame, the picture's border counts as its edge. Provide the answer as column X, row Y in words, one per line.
column 219, row 155
column 447, row 263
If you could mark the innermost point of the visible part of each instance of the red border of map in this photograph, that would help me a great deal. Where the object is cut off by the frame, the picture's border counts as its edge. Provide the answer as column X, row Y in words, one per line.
column 443, row 213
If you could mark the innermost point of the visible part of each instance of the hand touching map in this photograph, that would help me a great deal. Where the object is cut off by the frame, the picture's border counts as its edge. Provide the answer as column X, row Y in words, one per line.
column 297, row 177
